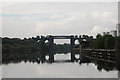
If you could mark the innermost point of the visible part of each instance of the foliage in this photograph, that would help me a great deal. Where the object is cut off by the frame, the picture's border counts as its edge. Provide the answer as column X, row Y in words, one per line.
column 16, row 48
column 104, row 42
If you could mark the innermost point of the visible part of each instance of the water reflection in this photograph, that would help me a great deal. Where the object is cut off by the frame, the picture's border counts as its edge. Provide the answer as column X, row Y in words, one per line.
column 62, row 67
column 101, row 65
column 118, row 75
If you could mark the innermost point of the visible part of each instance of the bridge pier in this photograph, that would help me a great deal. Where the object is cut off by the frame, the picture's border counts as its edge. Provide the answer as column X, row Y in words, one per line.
column 72, row 41
column 51, row 54
column 42, row 55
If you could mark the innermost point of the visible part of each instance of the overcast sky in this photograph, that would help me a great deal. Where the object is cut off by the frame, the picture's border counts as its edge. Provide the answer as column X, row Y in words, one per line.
column 43, row 18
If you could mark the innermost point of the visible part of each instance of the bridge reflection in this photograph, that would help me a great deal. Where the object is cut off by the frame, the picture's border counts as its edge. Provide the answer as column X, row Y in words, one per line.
column 108, row 66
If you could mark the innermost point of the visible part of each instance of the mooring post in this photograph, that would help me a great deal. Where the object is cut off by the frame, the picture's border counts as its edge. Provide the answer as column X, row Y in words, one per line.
column 51, row 54
column 72, row 46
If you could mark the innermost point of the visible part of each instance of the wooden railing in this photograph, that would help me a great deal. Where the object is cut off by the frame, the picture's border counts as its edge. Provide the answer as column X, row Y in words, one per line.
column 101, row 54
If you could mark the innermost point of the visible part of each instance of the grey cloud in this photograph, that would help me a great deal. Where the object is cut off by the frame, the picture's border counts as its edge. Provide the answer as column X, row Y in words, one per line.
column 58, row 18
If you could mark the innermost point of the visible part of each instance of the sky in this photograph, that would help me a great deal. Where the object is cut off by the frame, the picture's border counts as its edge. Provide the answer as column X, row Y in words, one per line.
column 28, row 19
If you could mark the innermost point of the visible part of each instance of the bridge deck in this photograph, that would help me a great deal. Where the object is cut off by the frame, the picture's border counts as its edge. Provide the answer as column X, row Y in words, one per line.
column 62, row 37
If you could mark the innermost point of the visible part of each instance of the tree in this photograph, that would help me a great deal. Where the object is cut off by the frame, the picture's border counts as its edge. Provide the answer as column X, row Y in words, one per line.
column 109, row 42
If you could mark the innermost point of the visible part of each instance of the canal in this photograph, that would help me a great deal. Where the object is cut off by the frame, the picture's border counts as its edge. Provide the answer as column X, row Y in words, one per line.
column 61, row 68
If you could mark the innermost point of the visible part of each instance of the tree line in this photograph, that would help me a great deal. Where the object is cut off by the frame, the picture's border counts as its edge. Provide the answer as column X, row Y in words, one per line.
column 104, row 42
column 16, row 48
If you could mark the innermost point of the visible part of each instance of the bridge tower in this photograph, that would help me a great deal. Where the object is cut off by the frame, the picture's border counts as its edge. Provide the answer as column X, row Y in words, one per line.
column 51, row 44
column 72, row 42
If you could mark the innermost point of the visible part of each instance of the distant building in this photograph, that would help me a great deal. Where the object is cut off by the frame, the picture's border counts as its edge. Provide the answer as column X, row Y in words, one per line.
column 118, row 29
column 106, row 33
column 113, row 33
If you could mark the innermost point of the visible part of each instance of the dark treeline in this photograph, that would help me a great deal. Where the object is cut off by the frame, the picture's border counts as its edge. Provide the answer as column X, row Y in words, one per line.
column 104, row 42
column 16, row 48
column 62, row 48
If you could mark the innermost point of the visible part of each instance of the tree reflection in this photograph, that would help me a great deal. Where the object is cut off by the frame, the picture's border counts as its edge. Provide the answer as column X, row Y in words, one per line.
column 101, row 65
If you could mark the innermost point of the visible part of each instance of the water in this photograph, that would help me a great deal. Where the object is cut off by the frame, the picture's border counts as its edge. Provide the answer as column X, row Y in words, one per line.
column 0, row 72
column 61, row 68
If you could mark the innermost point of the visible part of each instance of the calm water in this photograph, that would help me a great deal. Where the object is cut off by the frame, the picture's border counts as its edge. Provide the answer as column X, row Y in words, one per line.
column 59, row 69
